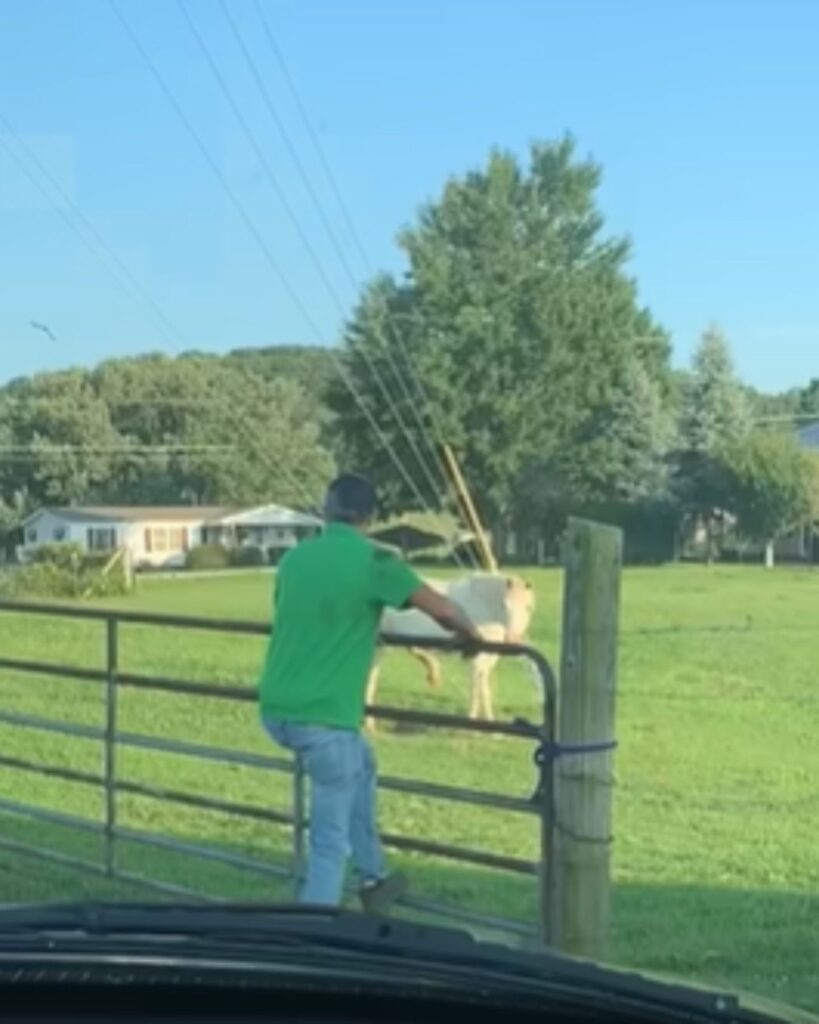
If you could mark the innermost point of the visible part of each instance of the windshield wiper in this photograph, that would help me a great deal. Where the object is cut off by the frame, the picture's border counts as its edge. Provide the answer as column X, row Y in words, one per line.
column 268, row 929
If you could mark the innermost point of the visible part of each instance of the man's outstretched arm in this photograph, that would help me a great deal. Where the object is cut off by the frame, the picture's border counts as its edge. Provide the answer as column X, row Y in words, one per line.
column 446, row 613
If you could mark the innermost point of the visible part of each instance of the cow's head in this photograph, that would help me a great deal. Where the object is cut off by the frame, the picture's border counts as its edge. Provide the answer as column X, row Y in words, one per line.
column 520, row 605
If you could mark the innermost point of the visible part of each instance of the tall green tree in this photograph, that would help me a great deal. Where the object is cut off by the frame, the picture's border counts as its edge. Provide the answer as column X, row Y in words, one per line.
column 58, row 438
column 622, row 449
column 775, row 487
column 715, row 407
column 232, row 436
column 520, row 321
column 714, row 417
column 309, row 366
column 808, row 401
column 158, row 430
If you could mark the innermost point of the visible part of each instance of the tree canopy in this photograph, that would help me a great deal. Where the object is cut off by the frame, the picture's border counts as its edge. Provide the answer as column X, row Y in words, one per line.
column 774, row 485
column 715, row 408
column 516, row 335
column 191, row 430
column 524, row 330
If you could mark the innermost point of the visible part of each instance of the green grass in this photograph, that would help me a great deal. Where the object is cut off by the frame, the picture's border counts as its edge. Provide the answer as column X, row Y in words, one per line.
column 716, row 812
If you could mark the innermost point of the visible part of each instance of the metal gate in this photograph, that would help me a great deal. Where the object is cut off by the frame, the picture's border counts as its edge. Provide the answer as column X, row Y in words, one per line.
column 540, row 736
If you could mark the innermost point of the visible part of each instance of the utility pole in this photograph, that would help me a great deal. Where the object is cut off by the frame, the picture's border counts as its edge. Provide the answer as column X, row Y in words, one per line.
column 469, row 510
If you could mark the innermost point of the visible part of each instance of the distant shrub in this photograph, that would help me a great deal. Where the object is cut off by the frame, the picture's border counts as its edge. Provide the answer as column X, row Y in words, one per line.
column 248, row 557
column 48, row 579
column 8, row 588
column 66, row 571
column 207, row 556
column 65, row 556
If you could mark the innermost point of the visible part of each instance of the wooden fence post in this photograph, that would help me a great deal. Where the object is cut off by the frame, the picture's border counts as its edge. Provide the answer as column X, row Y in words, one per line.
column 584, row 782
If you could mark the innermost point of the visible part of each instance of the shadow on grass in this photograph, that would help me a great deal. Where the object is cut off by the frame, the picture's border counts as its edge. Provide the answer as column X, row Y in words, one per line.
column 761, row 942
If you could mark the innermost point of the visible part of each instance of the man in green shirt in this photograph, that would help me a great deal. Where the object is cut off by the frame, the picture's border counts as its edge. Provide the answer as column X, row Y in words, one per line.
column 330, row 595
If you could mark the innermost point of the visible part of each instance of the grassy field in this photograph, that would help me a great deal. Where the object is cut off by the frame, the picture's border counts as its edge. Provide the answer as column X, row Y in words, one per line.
column 717, row 800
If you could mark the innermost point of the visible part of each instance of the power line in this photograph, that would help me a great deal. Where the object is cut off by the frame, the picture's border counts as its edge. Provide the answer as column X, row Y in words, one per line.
column 119, row 271
column 434, row 442
column 292, row 217
column 789, row 418
column 262, row 244
column 122, row 269
column 126, row 449
column 130, row 450
column 345, row 212
column 319, row 208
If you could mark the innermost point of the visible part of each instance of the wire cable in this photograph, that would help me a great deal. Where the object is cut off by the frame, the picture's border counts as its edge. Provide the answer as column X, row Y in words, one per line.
column 262, row 244
column 291, row 215
column 116, row 268
column 122, row 271
column 336, row 245
column 354, row 234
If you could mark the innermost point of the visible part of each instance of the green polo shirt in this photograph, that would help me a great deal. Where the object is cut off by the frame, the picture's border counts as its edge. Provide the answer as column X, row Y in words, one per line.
column 330, row 594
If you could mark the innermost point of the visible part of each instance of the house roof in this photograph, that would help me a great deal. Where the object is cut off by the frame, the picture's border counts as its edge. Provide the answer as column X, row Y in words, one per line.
column 407, row 536
column 135, row 513
column 808, row 437
column 215, row 515
column 269, row 515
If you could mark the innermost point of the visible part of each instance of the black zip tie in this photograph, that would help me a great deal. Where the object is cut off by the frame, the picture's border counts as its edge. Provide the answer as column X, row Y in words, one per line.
column 552, row 751
column 549, row 750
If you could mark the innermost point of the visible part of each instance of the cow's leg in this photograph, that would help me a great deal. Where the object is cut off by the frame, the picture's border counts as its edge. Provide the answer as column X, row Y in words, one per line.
column 372, row 689
column 484, row 665
column 480, row 705
column 430, row 663
column 490, row 662
column 475, row 687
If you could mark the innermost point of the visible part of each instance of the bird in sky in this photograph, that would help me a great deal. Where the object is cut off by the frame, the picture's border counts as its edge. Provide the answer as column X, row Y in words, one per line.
column 42, row 327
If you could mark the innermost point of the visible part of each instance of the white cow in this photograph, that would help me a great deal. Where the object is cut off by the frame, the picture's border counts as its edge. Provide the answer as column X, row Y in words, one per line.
column 500, row 606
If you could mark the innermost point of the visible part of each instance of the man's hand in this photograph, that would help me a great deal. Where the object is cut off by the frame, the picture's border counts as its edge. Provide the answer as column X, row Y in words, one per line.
column 448, row 615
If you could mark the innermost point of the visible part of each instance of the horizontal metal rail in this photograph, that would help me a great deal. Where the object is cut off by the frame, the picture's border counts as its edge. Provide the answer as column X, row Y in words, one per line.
column 251, row 628
column 51, row 856
column 82, row 864
column 49, row 668
column 52, row 771
column 208, row 853
column 205, row 803
column 112, row 784
column 219, row 755
column 433, row 790
column 427, row 906
column 449, row 851
column 76, row 729
column 51, row 817
column 255, row 813
column 186, row 687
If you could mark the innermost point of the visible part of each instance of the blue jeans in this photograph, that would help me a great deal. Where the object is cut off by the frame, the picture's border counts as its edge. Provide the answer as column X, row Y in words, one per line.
column 342, row 772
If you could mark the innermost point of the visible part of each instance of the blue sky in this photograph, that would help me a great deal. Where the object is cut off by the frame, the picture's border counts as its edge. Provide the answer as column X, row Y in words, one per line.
column 703, row 115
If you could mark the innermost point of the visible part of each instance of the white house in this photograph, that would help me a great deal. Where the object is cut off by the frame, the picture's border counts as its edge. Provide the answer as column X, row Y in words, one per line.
column 270, row 526
column 161, row 536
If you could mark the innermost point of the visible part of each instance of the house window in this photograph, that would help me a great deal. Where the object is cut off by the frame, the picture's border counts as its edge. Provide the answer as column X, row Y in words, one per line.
column 101, row 538
column 154, row 541
column 178, row 539
column 59, row 533
column 160, row 539
column 31, row 536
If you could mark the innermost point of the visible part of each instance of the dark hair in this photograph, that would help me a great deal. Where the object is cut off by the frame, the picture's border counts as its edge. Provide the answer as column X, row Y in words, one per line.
column 350, row 499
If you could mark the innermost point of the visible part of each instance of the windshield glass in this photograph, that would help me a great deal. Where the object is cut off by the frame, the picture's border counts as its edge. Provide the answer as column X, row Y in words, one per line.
column 487, row 325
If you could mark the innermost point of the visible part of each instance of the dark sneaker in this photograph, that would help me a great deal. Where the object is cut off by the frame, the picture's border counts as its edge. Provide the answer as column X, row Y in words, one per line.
column 378, row 897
